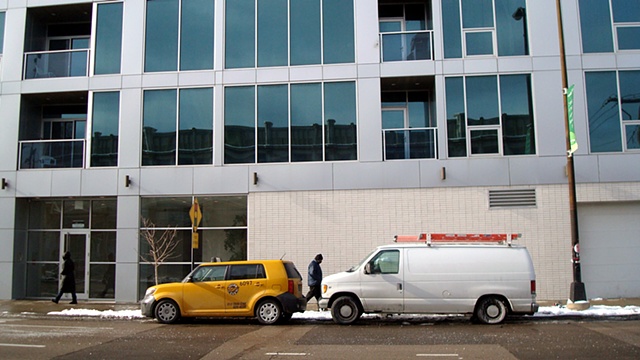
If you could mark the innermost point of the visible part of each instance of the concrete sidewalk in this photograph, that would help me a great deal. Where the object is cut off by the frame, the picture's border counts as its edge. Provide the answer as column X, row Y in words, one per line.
column 43, row 307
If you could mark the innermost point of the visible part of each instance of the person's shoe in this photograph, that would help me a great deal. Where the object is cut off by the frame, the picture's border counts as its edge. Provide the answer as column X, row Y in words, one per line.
column 73, row 302
column 54, row 300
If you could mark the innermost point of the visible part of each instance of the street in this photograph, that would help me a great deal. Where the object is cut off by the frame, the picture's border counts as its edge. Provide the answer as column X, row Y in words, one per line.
column 449, row 338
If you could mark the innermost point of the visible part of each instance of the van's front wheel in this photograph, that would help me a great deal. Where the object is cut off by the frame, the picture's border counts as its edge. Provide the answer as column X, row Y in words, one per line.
column 345, row 310
column 491, row 310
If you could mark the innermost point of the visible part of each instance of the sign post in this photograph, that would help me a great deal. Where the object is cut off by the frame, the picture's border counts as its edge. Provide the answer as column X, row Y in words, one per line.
column 195, row 213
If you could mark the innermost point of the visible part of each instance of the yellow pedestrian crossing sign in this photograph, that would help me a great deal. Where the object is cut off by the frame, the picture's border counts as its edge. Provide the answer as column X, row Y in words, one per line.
column 195, row 213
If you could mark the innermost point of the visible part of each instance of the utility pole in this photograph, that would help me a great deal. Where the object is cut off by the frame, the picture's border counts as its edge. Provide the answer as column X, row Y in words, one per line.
column 577, row 291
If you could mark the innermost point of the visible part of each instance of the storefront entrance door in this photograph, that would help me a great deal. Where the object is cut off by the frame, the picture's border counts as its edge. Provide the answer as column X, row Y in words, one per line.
column 77, row 243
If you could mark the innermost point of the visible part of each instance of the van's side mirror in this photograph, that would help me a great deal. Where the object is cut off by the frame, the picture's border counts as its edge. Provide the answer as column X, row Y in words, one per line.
column 367, row 268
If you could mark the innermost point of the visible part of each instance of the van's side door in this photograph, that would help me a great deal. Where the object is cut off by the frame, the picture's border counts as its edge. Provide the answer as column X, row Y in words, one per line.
column 382, row 284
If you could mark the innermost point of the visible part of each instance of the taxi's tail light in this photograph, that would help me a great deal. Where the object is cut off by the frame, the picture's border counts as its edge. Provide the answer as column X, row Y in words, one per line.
column 291, row 288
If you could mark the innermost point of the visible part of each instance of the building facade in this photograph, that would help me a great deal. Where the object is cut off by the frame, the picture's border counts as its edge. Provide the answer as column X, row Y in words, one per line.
column 312, row 126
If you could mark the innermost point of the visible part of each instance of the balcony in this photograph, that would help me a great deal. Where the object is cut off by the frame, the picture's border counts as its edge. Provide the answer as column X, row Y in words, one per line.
column 406, row 45
column 413, row 143
column 38, row 154
column 54, row 64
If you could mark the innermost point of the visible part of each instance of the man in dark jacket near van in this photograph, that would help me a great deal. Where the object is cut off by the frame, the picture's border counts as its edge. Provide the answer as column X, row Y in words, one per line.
column 315, row 278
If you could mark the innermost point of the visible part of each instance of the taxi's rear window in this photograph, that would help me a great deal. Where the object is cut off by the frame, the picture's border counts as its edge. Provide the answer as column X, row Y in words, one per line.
column 292, row 272
column 251, row 271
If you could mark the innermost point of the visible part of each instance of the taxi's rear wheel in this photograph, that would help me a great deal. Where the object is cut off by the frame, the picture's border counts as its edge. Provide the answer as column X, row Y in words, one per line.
column 268, row 312
column 167, row 312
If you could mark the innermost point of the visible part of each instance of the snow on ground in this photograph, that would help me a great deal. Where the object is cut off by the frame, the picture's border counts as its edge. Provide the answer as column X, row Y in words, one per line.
column 544, row 311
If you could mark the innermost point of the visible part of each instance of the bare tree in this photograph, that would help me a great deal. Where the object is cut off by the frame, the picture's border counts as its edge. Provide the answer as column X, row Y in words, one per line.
column 161, row 246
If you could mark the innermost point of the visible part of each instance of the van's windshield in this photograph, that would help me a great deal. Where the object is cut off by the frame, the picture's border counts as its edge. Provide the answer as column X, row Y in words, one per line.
column 356, row 267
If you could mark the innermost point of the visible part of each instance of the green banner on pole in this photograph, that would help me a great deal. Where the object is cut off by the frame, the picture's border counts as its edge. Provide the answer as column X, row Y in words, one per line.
column 573, row 143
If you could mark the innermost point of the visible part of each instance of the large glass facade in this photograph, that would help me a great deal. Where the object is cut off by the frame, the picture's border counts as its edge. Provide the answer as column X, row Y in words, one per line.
column 280, row 33
column 490, row 115
column 105, row 120
column 190, row 111
column 222, row 233
column 179, row 27
column 86, row 228
column 600, row 34
column 485, row 27
column 108, row 48
column 614, row 115
column 289, row 123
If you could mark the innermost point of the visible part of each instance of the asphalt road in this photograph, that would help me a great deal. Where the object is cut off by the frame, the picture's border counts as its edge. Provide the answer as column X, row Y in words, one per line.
column 27, row 338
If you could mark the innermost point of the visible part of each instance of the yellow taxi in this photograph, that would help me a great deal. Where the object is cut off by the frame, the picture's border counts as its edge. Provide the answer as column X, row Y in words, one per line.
column 270, row 290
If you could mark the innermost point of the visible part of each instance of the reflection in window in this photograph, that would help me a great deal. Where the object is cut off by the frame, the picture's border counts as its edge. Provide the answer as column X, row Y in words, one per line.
column 108, row 46
column 191, row 32
column 195, row 141
column 299, row 39
column 104, row 124
column 599, row 34
column 494, row 124
column 408, row 125
column 159, row 127
column 386, row 262
column 479, row 22
column 290, row 121
column 613, row 116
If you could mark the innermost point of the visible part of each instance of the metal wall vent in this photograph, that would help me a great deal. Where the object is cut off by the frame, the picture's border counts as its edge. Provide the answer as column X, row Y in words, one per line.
column 512, row 198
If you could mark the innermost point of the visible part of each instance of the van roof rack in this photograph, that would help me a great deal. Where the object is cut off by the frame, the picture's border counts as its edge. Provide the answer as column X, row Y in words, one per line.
column 429, row 238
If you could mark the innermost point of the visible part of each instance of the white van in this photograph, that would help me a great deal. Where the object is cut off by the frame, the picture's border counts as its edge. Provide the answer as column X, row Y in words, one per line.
column 487, row 281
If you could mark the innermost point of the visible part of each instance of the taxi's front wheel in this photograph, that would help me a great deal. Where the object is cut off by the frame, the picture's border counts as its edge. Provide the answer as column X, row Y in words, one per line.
column 269, row 312
column 167, row 312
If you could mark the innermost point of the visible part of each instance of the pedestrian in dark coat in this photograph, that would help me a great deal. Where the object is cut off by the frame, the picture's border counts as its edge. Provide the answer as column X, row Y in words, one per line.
column 315, row 278
column 68, row 279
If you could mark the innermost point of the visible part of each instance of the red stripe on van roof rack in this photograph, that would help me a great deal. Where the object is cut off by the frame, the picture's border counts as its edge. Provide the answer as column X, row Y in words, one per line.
column 429, row 238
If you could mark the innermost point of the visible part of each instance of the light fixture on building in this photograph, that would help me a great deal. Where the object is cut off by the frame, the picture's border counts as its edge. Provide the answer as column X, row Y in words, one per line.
column 255, row 178
column 5, row 183
column 443, row 173
column 127, row 181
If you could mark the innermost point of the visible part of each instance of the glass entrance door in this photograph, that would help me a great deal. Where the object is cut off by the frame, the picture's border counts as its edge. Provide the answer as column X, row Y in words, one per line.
column 77, row 243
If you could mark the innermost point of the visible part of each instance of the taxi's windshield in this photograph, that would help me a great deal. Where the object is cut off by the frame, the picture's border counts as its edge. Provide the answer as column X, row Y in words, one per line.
column 355, row 267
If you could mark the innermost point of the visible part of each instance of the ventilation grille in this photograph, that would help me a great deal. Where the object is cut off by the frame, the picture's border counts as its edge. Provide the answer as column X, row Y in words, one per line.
column 512, row 198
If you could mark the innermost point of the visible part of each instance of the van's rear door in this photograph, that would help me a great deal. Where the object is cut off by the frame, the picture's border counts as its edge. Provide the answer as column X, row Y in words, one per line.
column 382, row 284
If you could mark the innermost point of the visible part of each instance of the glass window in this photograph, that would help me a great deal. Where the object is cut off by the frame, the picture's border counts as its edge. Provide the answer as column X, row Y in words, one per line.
column 595, row 23
column 248, row 271
column 306, row 122
column 338, row 31
column 385, row 262
column 633, row 136
column 45, row 214
column 165, row 212
column 223, row 211
column 482, row 100
column 75, row 214
column 103, row 246
column 272, row 33
column 340, row 116
column 159, row 127
column 273, row 123
column 44, row 246
column 484, row 142
column 161, row 40
column 228, row 245
column 195, row 142
column 103, row 214
column 2, row 15
column 626, row 10
column 305, row 32
column 451, row 29
column 209, row 273
column 108, row 39
column 239, row 125
column 518, row 137
column 196, row 35
column 240, row 34
column 477, row 13
column 456, row 119
column 630, row 95
column 479, row 43
column 511, row 27
column 628, row 37
column 105, row 128
column 604, row 116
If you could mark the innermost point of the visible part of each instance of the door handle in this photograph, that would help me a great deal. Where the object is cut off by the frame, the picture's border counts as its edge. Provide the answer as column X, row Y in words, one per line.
column 399, row 286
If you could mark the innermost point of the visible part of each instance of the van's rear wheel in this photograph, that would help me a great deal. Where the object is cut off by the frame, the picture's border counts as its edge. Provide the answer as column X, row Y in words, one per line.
column 345, row 310
column 491, row 310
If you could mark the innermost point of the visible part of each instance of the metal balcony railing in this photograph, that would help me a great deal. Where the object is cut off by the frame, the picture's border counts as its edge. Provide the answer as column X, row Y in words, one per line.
column 413, row 143
column 406, row 45
column 38, row 154
column 53, row 64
